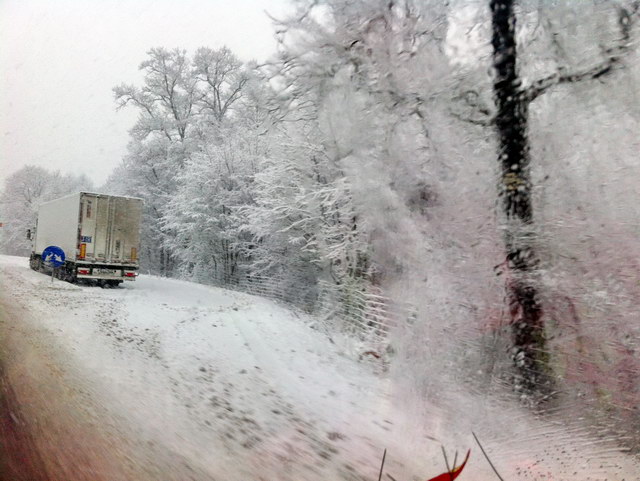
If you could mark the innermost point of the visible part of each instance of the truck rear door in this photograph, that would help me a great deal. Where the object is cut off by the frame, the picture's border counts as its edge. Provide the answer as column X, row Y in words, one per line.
column 110, row 228
column 96, row 221
column 124, row 229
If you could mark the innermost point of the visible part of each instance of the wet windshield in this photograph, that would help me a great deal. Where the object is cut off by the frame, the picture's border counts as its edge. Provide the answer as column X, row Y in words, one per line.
column 305, row 240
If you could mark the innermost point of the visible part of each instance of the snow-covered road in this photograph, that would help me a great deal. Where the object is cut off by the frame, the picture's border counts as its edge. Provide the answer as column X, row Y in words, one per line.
column 237, row 385
column 172, row 380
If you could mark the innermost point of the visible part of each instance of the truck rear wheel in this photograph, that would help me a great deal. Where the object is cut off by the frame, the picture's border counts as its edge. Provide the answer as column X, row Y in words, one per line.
column 70, row 275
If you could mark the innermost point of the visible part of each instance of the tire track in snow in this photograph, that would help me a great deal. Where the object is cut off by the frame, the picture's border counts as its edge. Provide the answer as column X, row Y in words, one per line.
column 306, row 435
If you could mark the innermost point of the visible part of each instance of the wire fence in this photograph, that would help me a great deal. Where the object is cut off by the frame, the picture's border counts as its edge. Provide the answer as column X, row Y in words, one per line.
column 358, row 310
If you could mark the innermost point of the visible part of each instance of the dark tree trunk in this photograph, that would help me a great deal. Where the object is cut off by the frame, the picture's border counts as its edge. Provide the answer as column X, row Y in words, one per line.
column 515, row 192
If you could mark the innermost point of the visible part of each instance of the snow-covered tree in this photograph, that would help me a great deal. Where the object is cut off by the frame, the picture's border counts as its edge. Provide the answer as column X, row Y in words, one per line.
column 152, row 168
column 422, row 126
column 222, row 78
column 205, row 212
column 182, row 104
column 166, row 101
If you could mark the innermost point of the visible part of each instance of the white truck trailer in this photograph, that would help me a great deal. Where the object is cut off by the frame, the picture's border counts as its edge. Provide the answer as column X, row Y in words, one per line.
column 99, row 234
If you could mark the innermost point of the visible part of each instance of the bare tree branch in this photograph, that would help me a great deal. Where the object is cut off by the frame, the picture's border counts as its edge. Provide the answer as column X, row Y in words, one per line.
column 482, row 122
column 614, row 56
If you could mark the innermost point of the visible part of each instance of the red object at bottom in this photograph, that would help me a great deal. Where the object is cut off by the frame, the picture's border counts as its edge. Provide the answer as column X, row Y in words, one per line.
column 454, row 473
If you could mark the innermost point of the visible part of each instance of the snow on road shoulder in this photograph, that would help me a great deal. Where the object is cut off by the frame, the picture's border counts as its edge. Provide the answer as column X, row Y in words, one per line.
column 233, row 382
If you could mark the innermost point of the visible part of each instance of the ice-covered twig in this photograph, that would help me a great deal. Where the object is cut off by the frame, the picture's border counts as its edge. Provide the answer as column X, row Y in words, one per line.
column 446, row 460
column 384, row 455
column 487, row 457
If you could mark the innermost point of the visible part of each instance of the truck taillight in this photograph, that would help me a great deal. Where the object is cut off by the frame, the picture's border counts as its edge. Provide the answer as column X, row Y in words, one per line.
column 83, row 272
column 129, row 273
column 83, row 251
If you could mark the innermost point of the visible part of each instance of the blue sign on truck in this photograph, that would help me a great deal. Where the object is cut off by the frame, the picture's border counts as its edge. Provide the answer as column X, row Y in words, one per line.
column 53, row 256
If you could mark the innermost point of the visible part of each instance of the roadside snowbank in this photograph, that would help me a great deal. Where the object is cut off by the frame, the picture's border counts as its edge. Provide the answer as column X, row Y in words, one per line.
column 235, row 383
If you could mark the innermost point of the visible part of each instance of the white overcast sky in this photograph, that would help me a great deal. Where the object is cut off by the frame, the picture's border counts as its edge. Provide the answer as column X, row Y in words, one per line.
column 59, row 60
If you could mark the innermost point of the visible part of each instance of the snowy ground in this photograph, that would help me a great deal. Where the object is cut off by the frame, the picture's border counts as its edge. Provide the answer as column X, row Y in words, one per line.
column 236, row 384
column 241, row 388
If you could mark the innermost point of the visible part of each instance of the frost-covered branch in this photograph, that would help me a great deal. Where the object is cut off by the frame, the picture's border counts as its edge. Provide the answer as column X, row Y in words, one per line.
column 613, row 58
